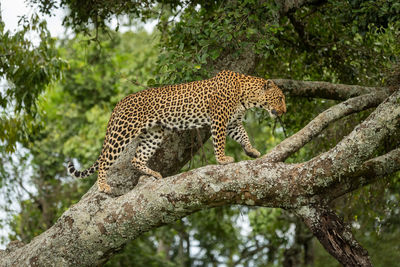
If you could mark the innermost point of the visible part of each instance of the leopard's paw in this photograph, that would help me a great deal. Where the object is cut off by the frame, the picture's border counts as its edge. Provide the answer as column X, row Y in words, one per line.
column 225, row 160
column 156, row 175
column 105, row 188
column 252, row 152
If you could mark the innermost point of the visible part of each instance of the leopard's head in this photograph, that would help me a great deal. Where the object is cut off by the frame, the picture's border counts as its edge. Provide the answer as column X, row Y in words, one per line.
column 267, row 95
column 273, row 99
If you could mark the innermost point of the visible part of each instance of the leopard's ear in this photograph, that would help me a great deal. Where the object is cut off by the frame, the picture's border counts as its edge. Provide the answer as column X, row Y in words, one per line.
column 268, row 84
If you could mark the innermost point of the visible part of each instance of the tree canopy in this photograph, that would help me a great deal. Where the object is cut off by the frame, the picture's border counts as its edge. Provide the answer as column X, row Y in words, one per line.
column 334, row 178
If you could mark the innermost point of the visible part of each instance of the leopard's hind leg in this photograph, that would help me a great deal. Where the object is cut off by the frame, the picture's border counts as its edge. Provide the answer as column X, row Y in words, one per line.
column 149, row 141
column 117, row 140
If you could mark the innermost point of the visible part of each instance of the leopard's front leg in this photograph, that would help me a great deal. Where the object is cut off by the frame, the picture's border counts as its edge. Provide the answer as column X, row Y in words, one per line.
column 237, row 132
column 223, row 101
column 218, row 132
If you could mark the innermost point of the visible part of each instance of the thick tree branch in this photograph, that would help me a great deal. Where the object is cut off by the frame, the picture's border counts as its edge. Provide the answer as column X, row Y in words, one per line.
column 292, row 144
column 334, row 235
column 93, row 229
column 369, row 172
column 380, row 166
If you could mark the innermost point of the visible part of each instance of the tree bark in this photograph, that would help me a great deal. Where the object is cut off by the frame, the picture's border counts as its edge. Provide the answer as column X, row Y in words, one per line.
column 334, row 235
column 95, row 228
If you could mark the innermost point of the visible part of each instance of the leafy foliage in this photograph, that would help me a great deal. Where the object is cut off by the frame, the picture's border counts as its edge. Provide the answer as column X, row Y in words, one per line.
column 27, row 69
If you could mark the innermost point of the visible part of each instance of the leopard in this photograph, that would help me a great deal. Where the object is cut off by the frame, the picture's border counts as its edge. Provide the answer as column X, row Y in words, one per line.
column 219, row 102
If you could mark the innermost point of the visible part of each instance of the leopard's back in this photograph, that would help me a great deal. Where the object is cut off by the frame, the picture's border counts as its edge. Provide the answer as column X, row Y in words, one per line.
column 174, row 107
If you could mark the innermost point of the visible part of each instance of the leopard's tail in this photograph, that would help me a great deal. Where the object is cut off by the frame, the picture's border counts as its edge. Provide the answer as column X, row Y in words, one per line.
column 82, row 174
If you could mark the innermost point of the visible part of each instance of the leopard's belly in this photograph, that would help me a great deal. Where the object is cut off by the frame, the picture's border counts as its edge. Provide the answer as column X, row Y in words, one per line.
column 182, row 122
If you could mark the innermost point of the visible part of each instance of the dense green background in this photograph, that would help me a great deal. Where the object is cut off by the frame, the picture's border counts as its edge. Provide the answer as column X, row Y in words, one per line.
column 60, row 93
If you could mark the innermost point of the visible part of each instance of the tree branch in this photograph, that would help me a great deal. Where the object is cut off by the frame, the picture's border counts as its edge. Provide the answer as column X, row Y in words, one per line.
column 334, row 235
column 292, row 144
column 369, row 172
column 248, row 252
column 325, row 90
column 380, row 166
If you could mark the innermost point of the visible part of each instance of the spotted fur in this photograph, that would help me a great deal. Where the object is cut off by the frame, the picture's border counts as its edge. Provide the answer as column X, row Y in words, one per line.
column 219, row 102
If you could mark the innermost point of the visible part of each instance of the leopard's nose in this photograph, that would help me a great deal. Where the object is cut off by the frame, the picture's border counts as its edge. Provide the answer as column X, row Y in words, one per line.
column 273, row 111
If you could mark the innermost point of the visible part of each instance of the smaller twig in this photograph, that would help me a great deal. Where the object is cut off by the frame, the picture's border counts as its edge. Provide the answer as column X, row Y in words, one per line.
column 281, row 123
column 134, row 82
column 8, row 54
column 177, row 14
column 96, row 37
column 273, row 128
column 31, row 196
column 283, row 126
column 249, row 252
